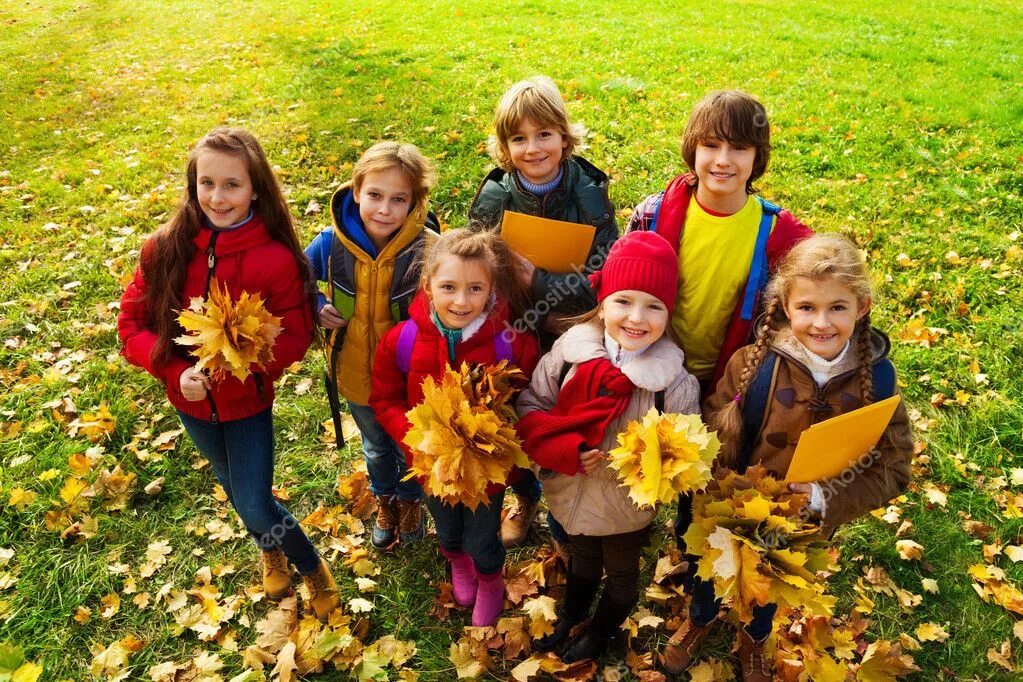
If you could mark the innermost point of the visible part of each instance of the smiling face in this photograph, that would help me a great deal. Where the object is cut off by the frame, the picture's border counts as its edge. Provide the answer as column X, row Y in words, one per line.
column 634, row 319
column 536, row 152
column 823, row 314
column 223, row 187
column 384, row 199
column 723, row 170
column 459, row 289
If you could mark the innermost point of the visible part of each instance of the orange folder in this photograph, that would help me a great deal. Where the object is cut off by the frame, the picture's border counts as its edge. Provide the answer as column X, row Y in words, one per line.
column 551, row 245
column 834, row 445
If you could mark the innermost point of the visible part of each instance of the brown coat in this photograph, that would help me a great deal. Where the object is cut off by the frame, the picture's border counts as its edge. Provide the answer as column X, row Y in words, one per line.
column 796, row 402
column 595, row 504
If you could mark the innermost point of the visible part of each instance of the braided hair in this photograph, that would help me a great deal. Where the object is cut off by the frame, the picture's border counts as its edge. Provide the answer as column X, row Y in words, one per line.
column 825, row 255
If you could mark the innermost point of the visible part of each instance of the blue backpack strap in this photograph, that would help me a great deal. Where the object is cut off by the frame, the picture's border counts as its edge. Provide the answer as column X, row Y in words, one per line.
column 503, row 348
column 406, row 340
column 884, row 379
column 754, row 406
column 657, row 212
column 758, row 267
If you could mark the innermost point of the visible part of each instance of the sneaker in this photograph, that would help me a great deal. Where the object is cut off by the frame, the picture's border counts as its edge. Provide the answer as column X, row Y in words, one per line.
column 276, row 574
column 385, row 528
column 322, row 591
column 517, row 520
column 411, row 521
column 683, row 646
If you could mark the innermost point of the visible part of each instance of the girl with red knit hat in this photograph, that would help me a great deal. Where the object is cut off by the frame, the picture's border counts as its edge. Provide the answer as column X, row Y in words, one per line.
column 616, row 363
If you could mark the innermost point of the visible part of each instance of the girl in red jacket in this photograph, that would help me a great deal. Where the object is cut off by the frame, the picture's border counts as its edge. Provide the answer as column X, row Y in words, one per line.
column 232, row 224
column 461, row 314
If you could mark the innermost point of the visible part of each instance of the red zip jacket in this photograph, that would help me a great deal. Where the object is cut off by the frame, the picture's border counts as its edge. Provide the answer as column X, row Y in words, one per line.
column 393, row 394
column 246, row 259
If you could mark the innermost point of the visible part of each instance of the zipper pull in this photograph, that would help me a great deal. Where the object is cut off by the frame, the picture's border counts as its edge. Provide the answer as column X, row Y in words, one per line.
column 209, row 257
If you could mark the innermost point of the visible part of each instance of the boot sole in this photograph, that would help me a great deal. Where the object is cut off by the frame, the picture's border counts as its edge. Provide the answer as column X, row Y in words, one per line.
column 278, row 596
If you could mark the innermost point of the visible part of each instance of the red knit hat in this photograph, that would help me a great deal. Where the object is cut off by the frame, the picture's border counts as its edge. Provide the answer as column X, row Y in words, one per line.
column 642, row 261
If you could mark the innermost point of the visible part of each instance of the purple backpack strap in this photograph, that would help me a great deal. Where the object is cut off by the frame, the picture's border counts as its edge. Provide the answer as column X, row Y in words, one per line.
column 406, row 339
column 503, row 348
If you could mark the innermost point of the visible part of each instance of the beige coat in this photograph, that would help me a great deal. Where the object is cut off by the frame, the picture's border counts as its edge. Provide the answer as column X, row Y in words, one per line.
column 594, row 504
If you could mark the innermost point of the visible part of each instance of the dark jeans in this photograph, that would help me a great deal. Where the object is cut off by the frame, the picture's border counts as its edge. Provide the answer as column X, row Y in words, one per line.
column 241, row 453
column 385, row 462
column 617, row 556
column 529, row 487
column 478, row 533
column 705, row 607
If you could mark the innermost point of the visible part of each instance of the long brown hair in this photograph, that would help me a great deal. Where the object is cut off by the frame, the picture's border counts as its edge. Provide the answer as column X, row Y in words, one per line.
column 488, row 247
column 735, row 117
column 167, row 253
column 822, row 256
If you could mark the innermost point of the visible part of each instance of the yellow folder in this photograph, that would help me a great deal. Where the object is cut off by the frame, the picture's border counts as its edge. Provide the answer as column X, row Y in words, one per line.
column 834, row 445
column 551, row 245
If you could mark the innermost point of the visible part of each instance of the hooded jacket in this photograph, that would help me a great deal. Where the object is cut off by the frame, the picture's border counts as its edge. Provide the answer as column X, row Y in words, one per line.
column 245, row 258
column 395, row 393
column 595, row 504
column 370, row 290
column 796, row 402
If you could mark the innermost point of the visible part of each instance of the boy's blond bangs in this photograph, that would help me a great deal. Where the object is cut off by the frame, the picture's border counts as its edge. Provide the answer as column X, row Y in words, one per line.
column 407, row 158
column 536, row 99
column 732, row 116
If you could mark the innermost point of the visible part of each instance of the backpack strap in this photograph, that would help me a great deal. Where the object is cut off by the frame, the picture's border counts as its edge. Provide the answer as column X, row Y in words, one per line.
column 503, row 348
column 565, row 369
column 758, row 267
column 659, row 401
column 754, row 406
column 406, row 340
column 884, row 379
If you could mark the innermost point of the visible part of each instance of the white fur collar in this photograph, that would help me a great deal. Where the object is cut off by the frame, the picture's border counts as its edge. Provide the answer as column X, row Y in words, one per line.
column 652, row 370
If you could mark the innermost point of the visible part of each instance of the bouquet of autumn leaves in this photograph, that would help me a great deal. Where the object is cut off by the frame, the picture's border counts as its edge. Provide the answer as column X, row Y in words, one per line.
column 230, row 336
column 663, row 455
column 757, row 546
column 463, row 434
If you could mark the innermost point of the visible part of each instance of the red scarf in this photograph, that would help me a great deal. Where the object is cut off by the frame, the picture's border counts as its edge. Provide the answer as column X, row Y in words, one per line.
column 596, row 395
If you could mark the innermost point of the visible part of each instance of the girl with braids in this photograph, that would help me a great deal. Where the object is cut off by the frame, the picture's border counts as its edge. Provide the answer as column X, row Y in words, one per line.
column 816, row 340
column 232, row 224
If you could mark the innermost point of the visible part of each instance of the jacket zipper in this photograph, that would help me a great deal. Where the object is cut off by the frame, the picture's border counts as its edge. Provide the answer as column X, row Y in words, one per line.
column 211, row 263
column 819, row 390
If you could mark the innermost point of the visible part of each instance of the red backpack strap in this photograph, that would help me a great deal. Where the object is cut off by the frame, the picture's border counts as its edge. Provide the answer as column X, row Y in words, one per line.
column 671, row 212
column 406, row 340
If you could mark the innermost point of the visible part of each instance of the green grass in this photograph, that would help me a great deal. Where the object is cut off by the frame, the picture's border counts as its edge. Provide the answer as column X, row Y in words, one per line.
column 900, row 126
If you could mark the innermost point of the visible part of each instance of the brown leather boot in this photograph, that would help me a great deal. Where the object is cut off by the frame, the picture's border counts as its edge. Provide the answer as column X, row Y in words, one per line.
column 683, row 646
column 411, row 518
column 322, row 591
column 386, row 525
column 276, row 574
column 517, row 521
column 751, row 658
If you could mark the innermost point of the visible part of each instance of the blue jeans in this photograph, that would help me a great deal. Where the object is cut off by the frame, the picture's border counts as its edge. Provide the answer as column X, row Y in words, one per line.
column 530, row 488
column 478, row 532
column 385, row 461
column 705, row 607
column 241, row 453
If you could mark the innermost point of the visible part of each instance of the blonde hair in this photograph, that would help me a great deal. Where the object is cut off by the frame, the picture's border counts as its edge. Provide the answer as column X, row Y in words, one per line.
column 483, row 245
column 821, row 256
column 407, row 158
column 734, row 117
column 538, row 100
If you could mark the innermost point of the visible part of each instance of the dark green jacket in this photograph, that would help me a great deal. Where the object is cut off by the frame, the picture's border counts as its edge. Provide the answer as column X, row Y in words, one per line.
column 580, row 198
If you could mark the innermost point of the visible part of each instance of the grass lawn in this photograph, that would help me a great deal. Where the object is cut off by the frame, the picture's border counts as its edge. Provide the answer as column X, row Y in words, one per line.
column 899, row 126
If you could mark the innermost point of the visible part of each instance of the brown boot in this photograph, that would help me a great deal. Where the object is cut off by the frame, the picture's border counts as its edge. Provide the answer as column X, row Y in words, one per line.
column 322, row 591
column 276, row 574
column 683, row 646
column 411, row 518
column 386, row 525
column 517, row 521
column 751, row 658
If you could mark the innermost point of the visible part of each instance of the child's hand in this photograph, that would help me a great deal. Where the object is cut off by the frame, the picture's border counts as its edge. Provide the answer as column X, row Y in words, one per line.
column 330, row 318
column 194, row 384
column 524, row 271
column 808, row 508
column 590, row 460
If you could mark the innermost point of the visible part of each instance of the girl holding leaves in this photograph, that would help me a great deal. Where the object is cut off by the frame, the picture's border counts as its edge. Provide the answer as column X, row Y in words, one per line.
column 816, row 356
column 609, row 369
column 231, row 238
column 462, row 315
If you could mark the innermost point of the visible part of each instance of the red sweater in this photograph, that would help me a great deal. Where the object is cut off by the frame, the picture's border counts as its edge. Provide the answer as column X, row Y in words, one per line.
column 246, row 259
column 393, row 393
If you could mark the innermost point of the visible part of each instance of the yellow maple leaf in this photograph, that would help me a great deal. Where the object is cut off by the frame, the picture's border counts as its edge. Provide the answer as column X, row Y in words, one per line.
column 230, row 336
column 884, row 661
column 542, row 615
column 21, row 498
column 663, row 455
column 462, row 436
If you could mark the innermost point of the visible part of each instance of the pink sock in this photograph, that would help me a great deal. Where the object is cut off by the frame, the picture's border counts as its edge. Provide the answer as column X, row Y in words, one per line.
column 489, row 599
column 463, row 577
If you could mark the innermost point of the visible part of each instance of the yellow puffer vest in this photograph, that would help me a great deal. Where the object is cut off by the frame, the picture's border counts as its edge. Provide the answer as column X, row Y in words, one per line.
column 372, row 312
